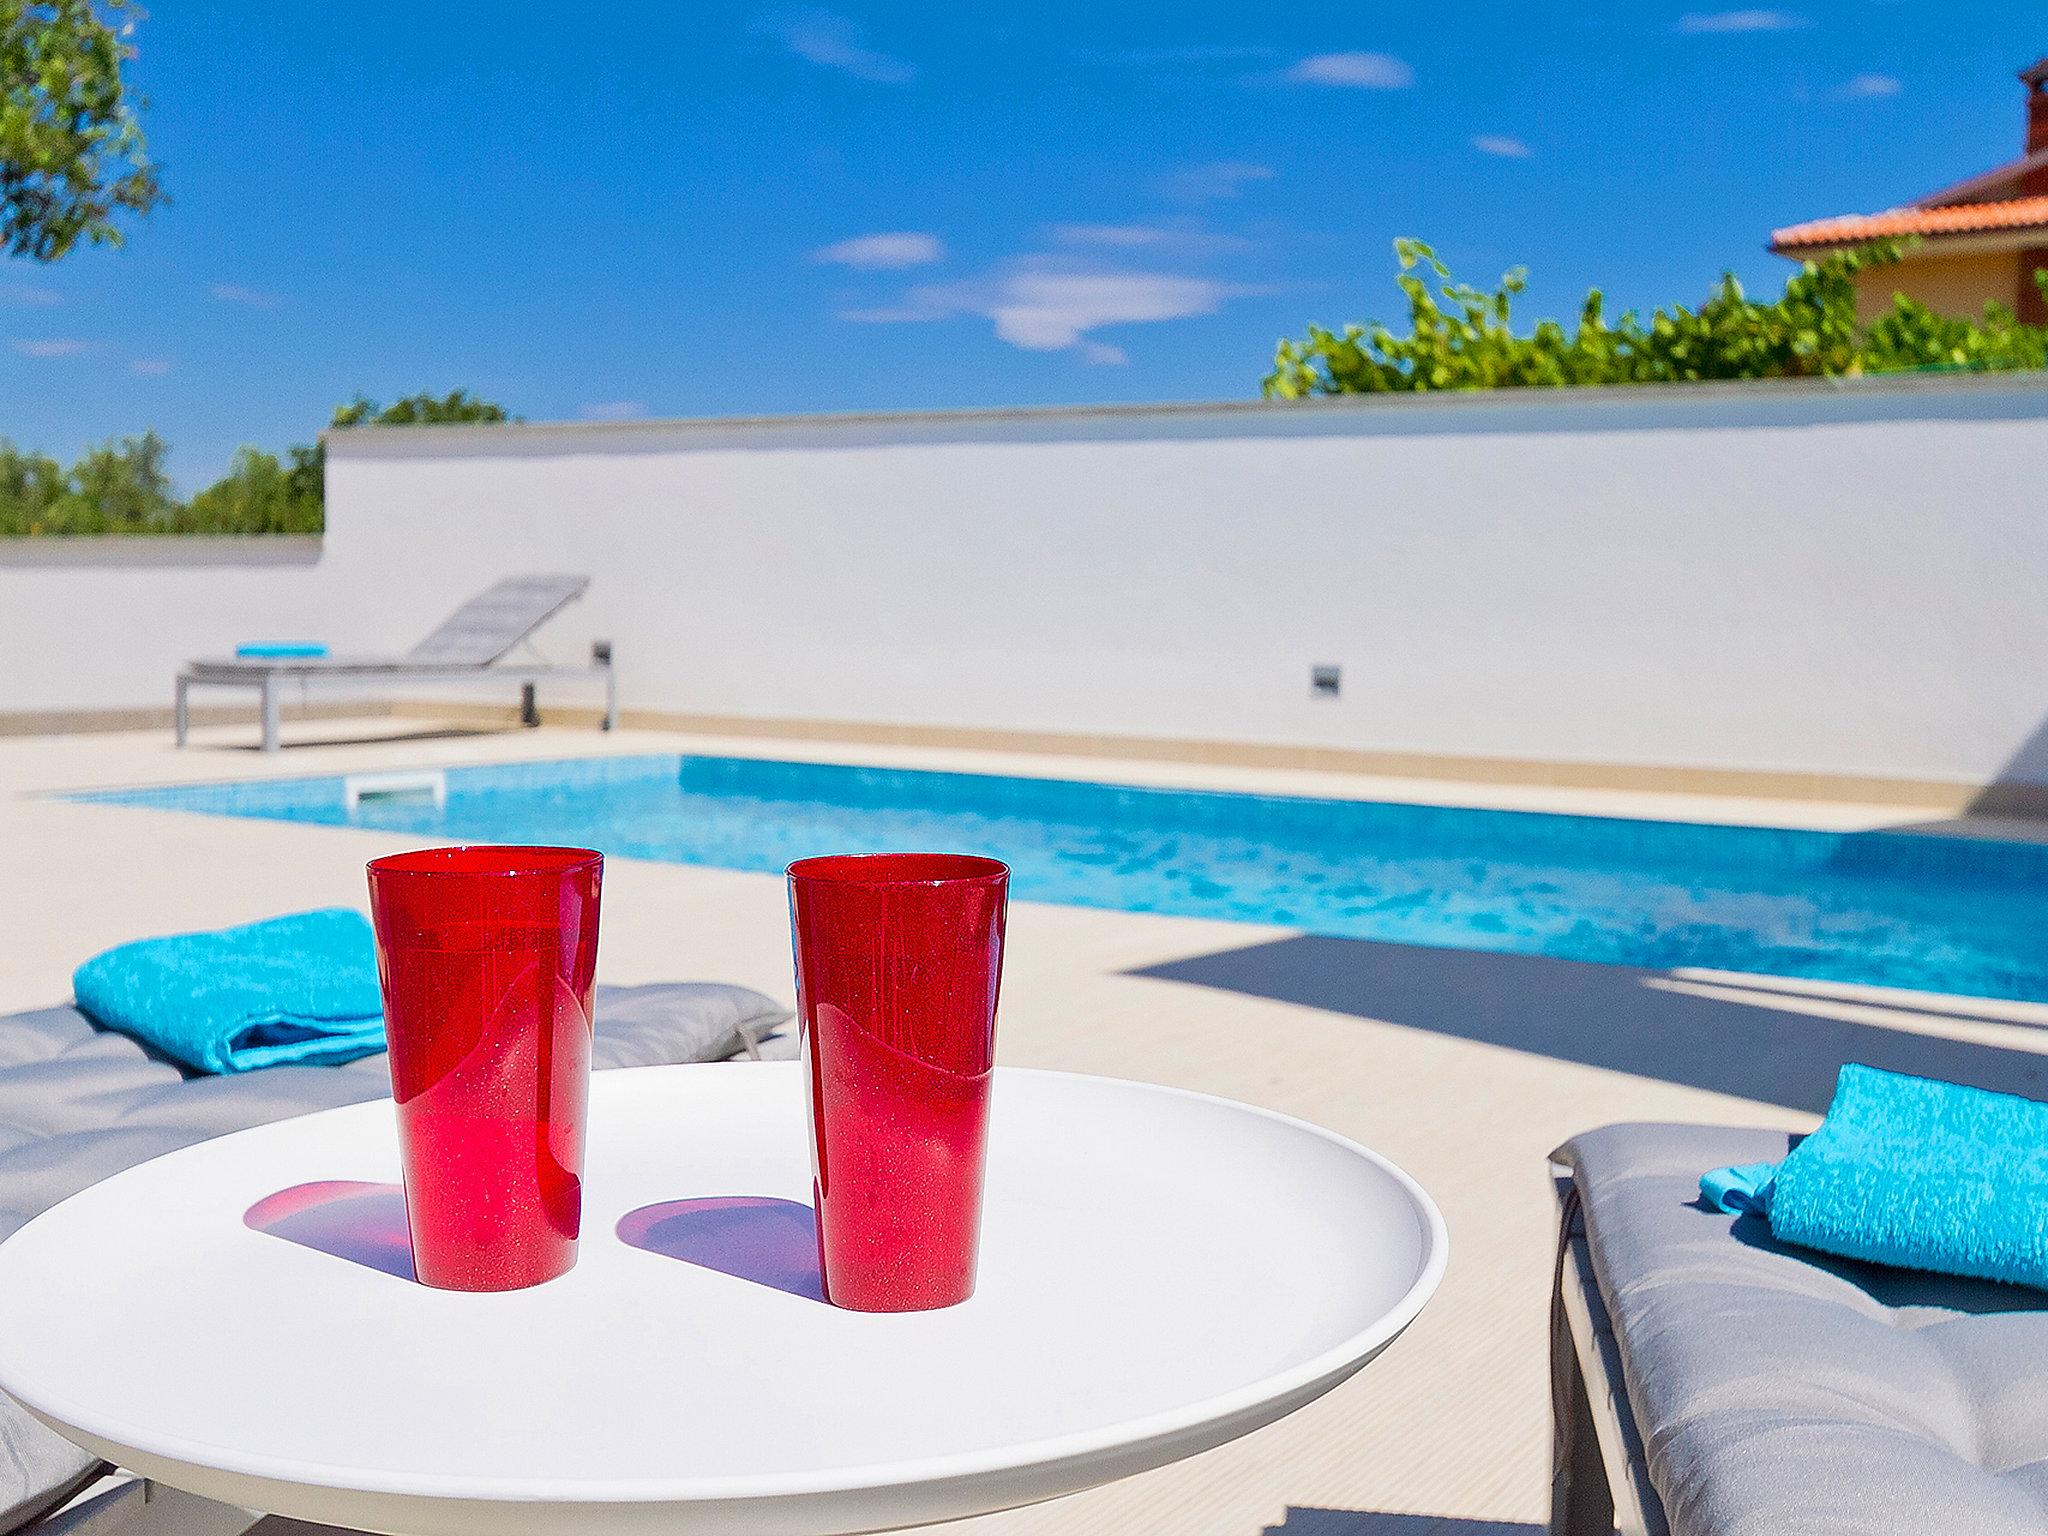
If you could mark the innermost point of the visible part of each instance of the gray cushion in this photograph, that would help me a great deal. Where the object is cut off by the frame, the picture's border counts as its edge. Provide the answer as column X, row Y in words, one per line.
column 78, row 1103
column 1781, row 1392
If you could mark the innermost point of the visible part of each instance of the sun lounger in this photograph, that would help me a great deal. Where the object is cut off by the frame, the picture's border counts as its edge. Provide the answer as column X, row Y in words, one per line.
column 472, row 645
column 79, row 1103
column 1709, row 1381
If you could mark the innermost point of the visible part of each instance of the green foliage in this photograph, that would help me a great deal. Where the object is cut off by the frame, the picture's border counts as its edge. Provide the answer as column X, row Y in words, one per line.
column 257, row 495
column 455, row 407
column 31, row 487
column 118, row 487
column 121, row 488
column 71, row 148
column 1460, row 337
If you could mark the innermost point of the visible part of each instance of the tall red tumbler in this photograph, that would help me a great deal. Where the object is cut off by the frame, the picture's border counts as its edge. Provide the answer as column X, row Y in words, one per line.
column 487, row 956
column 899, row 957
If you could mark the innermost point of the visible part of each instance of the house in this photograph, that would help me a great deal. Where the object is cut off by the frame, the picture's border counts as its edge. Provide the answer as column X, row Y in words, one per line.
column 1979, row 241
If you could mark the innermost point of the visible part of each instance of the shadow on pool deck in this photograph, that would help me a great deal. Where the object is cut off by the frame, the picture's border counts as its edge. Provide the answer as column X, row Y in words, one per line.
column 1750, row 1044
column 1311, row 1521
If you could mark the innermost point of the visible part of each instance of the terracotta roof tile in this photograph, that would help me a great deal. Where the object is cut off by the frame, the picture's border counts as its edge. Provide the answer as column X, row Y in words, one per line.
column 1955, row 219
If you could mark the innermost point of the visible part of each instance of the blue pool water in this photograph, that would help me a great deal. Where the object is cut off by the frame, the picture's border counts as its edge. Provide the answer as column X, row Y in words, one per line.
column 1895, row 909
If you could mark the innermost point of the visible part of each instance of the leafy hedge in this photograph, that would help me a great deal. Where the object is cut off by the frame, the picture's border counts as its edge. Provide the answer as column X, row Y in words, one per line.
column 1460, row 337
column 121, row 488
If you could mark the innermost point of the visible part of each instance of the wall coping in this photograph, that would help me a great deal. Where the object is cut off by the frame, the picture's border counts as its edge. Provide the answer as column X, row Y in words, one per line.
column 160, row 550
column 2018, row 395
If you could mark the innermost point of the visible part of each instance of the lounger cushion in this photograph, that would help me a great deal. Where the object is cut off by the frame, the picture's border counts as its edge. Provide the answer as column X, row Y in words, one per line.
column 1778, row 1390
column 78, row 1103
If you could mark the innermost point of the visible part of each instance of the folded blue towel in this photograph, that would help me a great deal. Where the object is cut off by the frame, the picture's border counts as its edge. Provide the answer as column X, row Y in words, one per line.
column 282, row 648
column 290, row 989
column 1914, row 1173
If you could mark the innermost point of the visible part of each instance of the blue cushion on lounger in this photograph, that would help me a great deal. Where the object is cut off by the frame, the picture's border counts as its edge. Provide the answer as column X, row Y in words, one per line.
column 281, row 648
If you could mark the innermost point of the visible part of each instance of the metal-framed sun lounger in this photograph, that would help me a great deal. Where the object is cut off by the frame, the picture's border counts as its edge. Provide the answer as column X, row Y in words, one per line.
column 1708, row 1379
column 470, row 646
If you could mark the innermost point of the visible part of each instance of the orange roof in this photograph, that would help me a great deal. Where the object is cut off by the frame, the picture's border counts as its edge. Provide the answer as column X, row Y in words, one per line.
column 1954, row 219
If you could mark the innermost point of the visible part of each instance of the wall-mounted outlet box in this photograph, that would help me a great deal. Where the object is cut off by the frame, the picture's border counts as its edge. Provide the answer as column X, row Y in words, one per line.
column 1325, row 680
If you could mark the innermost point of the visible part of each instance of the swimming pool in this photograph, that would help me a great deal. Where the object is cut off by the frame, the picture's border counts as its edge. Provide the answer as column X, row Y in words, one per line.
column 1942, row 914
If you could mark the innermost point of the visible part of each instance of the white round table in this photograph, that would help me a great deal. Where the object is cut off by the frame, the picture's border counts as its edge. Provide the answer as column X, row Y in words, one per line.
column 1161, row 1272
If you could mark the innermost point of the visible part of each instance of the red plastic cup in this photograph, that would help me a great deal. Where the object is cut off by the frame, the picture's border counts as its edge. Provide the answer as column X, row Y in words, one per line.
column 487, row 956
column 899, row 957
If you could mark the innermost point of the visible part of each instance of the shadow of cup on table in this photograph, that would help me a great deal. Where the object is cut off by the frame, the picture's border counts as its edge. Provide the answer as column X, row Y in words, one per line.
column 760, row 1238
column 345, row 1218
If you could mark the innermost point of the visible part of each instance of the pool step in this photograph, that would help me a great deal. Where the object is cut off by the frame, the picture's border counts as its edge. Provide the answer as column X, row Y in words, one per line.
column 358, row 787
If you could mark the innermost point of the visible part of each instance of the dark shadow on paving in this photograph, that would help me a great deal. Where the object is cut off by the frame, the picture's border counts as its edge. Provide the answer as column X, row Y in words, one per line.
column 1308, row 1521
column 395, row 738
column 1600, row 1016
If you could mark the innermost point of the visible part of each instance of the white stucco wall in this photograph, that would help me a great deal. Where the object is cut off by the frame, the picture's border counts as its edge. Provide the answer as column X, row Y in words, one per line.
column 1832, row 579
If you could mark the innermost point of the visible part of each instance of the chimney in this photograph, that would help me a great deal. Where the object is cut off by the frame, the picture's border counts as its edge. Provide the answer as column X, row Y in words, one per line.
column 2035, row 182
column 2035, row 78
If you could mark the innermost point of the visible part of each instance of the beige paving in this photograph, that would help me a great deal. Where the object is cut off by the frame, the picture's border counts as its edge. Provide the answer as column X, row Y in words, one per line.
column 1464, row 1068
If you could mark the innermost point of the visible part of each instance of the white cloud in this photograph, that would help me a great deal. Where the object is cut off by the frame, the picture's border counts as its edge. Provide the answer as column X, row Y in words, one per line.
column 1045, row 311
column 255, row 298
column 834, row 42
column 612, row 410
column 1214, row 181
column 1052, row 304
column 1361, row 71
column 1502, row 145
column 53, row 347
column 1153, row 237
column 24, row 293
column 1871, row 87
column 1695, row 22
column 150, row 367
column 1117, row 235
column 884, row 252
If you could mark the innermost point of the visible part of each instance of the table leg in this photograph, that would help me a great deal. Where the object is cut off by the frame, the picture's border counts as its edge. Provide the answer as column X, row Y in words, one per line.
column 181, row 714
column 270, row 714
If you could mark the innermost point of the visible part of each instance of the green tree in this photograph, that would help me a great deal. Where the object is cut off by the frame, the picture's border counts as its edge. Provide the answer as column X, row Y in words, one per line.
column 455, row 407
column 120, row 487
column 71, row 147
column 32, row 485
column 1460, row 337
column 258, row 494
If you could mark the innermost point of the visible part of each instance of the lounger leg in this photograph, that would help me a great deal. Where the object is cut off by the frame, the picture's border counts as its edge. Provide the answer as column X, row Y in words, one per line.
column 270, row 714
column 1581, row 1502
column 124, row 1506
column 529, row 705
column 181, row 713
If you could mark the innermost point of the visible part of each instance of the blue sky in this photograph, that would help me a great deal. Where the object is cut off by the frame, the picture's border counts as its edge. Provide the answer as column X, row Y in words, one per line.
column 709, row 208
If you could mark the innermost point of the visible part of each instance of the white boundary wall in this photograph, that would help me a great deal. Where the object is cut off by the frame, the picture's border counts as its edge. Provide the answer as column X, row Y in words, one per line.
column 1827, row 578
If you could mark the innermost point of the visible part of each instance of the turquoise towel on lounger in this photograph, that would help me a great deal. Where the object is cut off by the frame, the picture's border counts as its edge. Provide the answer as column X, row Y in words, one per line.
column 281, row 648
column 1914, row 1173
column 289, row 989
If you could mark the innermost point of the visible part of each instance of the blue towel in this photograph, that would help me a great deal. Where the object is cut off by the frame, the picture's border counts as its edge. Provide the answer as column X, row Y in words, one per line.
column 1913, row 1173
column 282, row 648
column 290, row 989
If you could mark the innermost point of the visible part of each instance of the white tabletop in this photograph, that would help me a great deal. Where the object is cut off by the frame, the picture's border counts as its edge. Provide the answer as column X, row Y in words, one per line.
column 1161, row 1272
